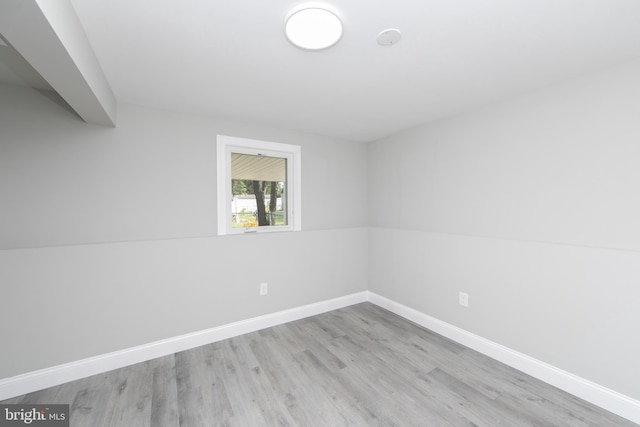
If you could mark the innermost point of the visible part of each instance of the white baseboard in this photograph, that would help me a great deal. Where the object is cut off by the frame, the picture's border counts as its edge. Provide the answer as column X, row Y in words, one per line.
column 49, row 377
column 603, row 397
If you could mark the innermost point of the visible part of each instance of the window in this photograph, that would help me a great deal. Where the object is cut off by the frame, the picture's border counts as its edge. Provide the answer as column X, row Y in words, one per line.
column 258, row 186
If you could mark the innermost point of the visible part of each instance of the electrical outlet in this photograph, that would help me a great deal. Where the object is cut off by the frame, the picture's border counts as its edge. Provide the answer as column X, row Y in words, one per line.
column 264, row 288
column 464, row 299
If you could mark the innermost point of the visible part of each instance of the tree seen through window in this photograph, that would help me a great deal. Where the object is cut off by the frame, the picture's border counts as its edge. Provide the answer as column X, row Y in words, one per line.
column 258, row 188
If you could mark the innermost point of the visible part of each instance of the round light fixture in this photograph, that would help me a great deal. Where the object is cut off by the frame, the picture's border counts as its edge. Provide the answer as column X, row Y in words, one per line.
column 313, row 28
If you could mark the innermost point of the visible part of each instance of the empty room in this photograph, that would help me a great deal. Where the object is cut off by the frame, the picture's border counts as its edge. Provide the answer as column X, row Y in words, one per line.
column 287, row 213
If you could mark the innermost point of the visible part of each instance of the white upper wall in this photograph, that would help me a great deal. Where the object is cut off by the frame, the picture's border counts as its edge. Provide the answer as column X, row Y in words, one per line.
column 153, row 177
column 560, row 165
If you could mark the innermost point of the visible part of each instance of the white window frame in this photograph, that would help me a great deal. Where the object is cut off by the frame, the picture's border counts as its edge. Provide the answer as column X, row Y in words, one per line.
column 231, row 144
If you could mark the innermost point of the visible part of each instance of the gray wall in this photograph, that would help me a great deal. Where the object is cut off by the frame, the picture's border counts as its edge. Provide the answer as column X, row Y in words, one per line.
column 107, row 236
column 532, row 207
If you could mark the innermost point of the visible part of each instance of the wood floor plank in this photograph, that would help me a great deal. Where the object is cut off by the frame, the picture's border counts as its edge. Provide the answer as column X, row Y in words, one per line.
column 288, row 337
column 330, row 323
column 14, row 400
column 452, row 363
column 202, row 397
column 131, row 404
column 476, row 406
column 355, row 366
column 250, row 393
column 368, row 397
column 347, row 410
column 164, row 398
column 305, row 402
column 92, row 401
column 410, row 398
column 400, row 327
column 318, row 347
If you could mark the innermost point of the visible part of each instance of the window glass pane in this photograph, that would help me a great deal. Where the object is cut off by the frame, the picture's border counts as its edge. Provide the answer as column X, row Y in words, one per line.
column 258, row 190
column 258, row 186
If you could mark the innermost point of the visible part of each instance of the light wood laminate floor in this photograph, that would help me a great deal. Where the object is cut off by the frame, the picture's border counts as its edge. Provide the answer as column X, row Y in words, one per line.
column 357, row 366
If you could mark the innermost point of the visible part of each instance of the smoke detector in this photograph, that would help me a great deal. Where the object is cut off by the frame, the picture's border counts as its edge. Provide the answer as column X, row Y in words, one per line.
column 389, row 37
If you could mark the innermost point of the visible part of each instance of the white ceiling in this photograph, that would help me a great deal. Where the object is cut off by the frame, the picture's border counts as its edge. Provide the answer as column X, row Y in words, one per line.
column 230, row 59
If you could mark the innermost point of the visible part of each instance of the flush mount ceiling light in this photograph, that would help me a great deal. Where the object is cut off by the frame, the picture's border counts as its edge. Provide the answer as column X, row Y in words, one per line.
column 313, row 28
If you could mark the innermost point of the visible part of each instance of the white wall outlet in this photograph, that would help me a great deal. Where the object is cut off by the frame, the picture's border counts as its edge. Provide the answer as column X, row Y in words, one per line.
column 464, row 299
column 264, row 288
